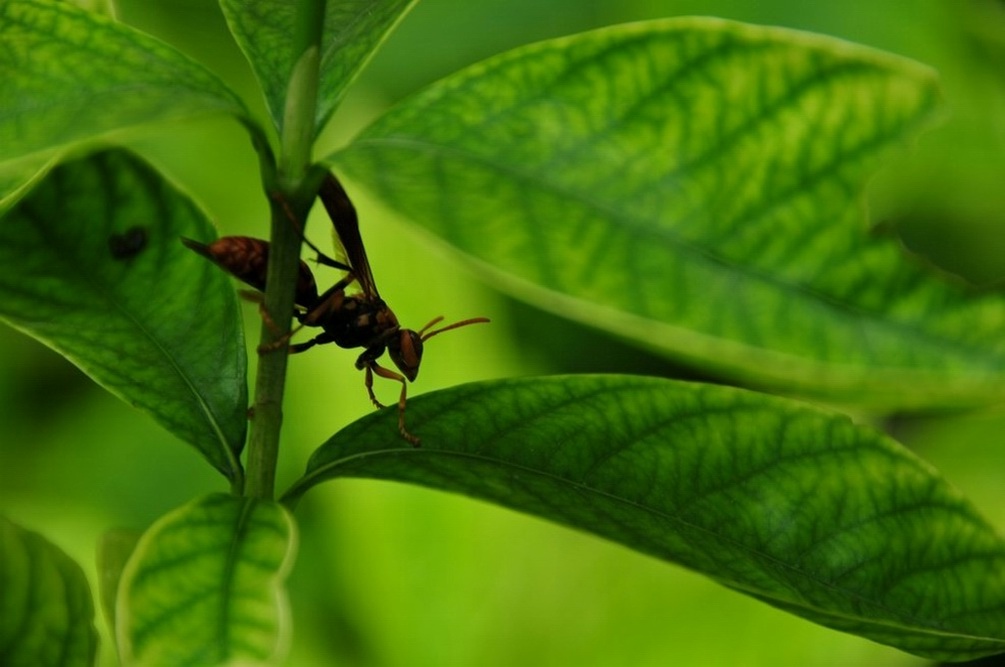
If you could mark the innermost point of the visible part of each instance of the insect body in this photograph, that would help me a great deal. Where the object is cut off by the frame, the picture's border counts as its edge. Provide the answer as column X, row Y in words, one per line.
column 361, row 319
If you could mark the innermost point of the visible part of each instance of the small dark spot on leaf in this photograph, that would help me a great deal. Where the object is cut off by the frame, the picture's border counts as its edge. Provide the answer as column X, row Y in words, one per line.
column 129, row 243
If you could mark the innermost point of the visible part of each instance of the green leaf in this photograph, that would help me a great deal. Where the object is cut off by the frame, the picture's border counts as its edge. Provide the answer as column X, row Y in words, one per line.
column 67, row 74
column 353, row 29
column 696, row 185
column 205, row 586
column 46, row 613
column 91, row 265
column 793, row 505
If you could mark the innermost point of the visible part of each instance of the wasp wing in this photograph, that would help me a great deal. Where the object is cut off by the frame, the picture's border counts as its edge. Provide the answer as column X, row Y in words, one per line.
column 346, row 223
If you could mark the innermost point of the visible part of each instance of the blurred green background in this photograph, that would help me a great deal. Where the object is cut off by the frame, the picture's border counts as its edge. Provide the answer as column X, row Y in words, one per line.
column 393, row 575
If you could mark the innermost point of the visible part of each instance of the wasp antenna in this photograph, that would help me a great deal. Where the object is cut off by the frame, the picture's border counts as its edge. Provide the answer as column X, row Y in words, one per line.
column 430, row 323
column 455, row 325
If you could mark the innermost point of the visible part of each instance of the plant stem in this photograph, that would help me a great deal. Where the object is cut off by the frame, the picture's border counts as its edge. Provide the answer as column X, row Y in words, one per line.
column 291, row 192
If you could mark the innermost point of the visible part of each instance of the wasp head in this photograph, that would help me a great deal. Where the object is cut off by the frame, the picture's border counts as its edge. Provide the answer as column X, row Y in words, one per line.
column 405, row 350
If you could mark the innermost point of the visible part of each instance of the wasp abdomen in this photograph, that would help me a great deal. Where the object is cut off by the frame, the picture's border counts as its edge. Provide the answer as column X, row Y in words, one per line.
column 247, row 259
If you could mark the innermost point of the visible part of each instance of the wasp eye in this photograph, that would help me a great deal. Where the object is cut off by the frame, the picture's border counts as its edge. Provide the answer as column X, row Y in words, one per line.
column 407, row 354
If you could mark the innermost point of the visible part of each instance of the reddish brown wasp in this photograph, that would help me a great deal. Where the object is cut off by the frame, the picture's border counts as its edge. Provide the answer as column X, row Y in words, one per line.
column 361, row 319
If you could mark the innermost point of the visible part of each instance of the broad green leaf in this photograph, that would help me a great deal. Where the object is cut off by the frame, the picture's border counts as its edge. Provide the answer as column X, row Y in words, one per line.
column 91, row 265
column 696, row 185
column 46, row 613
column 67, row 74
column 793, row 505
column 205, row 586
column 353, row 29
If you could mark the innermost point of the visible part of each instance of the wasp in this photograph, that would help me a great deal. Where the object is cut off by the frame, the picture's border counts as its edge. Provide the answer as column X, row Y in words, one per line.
column 350, row 320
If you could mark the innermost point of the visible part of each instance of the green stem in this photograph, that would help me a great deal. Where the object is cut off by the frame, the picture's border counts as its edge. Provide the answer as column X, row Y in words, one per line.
column 291, row 191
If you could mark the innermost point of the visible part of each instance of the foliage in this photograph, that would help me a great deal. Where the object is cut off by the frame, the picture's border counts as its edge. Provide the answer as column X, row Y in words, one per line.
column 692, row 185
column 48, row 615
column 189, row 373
column 212, row 573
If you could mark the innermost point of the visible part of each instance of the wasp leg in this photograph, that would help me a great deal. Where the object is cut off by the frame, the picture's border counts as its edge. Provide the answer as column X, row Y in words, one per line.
column 368, row 381
column 284, row 338
column 282, row 341
column 327, row 303
column 321, row 257
column 259, row 298
column 295, row 348
column 325, row 260
column 320, row 339
column 374, row 367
